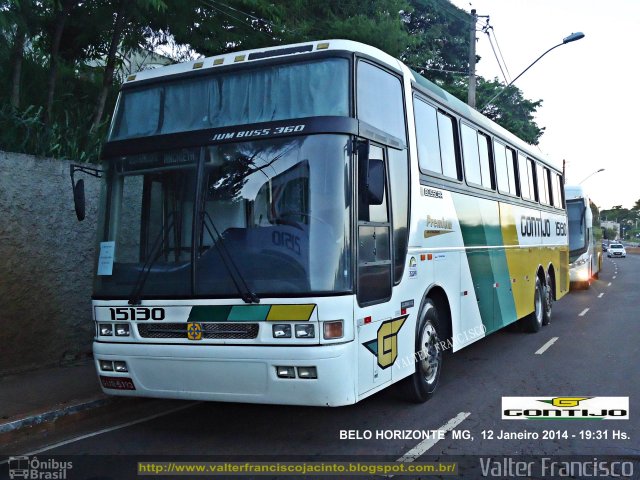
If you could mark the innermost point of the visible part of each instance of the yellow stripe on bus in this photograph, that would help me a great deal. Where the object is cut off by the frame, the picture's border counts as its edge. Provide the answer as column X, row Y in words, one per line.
column 290, row 312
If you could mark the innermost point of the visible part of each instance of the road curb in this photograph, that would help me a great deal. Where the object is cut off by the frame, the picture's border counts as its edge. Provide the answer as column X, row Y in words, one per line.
column 37, row 418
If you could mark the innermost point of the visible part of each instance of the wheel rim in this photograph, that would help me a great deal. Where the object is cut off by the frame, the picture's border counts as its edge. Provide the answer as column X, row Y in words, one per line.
column 538, row 306
column 429, row 354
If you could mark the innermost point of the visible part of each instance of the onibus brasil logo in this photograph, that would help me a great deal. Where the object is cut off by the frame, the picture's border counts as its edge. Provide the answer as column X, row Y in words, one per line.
column 40, row 469
column 565, row 408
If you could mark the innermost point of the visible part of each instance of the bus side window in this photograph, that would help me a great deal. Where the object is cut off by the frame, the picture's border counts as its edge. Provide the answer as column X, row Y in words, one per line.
column 543, row 195
column 470, row 154
column 523, row 172
column 559, row 190
column 380, row 101
column 502, row 176
column 532, row 180
column 484, row 144
column 448, row 151
column 511, row 171
column 549, row 184
column 427, row 136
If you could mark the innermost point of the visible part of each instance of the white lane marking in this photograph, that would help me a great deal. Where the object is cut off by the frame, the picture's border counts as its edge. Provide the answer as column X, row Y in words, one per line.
column 609, row 284
column 614, row 277
column 110, row 429
column 581, row 314
column 600, row 296
column 546, row 346
column 427, row 443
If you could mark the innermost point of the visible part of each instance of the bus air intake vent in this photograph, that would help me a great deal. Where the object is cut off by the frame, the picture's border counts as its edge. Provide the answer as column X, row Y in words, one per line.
column 229, row 331
column 280, row 51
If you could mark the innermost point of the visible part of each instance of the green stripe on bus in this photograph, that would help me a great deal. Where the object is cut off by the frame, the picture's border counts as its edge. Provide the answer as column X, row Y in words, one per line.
column 209, row 313
column 249, row 313
column 480, row 227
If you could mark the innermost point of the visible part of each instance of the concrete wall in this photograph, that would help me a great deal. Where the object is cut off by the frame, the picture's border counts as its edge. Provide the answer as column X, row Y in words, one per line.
column 46, row 264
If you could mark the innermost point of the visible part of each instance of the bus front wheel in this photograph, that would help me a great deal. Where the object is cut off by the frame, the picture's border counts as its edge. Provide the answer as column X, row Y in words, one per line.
column 421, row 385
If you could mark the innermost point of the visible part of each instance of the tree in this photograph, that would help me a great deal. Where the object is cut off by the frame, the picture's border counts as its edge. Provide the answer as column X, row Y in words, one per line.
column 636, row 207
column 440, row 53
column 62, row 11
column 18, row 22
column 440, row 47
column 510, row 110
column 131, row 12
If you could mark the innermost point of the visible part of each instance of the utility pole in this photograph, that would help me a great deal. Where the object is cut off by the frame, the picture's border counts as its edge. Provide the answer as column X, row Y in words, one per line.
column 471, row 99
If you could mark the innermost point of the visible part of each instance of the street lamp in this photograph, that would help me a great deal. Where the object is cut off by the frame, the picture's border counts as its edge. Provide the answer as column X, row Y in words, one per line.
column 571, row 38
column 590, row 175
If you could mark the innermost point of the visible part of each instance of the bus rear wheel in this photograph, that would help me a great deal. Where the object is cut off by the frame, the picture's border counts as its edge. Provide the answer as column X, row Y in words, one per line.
column 421, row 385
column 533, row 322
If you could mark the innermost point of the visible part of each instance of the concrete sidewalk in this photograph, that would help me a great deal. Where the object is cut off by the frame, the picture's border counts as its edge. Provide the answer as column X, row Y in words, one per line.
column 45, row 406
column 41, row 396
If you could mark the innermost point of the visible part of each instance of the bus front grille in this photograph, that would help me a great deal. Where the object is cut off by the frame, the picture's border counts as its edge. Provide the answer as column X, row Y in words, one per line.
column 230, row 331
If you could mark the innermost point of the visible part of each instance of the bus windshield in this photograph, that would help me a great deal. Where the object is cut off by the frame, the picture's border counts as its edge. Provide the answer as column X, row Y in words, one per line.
column 277, row 92
column 577, row 226
column 274, row 212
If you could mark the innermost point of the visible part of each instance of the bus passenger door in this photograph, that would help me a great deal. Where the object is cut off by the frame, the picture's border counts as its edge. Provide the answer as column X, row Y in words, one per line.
column 373, row 313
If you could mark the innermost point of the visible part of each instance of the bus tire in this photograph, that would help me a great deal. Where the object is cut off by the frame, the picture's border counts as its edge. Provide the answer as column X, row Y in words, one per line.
column 533, row 322
column 420, row 386
column 547, row 301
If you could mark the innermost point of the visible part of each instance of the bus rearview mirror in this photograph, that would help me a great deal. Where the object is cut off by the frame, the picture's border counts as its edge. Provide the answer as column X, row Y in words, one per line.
column 78, row 199
column 375, row 183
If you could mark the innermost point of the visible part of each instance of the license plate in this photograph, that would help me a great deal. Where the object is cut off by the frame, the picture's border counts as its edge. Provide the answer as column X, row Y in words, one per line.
column 117, row 383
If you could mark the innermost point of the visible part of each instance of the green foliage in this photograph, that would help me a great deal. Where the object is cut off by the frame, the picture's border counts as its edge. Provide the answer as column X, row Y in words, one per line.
column 510, row 110
column 627, row 218
column 429, row 35
column 440, row 47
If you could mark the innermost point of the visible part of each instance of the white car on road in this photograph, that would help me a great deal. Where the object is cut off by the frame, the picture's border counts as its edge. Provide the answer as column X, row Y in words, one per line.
column 616, row 250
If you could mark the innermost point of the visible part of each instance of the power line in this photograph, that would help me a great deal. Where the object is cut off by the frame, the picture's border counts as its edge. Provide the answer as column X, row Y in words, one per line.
column 493, row 32
column 486, row 30
column 211, row 4
column 453, row 10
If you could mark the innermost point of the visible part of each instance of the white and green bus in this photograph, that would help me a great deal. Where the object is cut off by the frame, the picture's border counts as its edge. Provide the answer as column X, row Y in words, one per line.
column 585, row 237
column 310, row 224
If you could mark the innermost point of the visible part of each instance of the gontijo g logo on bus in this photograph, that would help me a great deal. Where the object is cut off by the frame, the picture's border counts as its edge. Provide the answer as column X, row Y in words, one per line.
column 558, row 408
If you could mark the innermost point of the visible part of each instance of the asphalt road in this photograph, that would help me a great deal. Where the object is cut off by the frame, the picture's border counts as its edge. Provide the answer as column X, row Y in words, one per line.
column 595, row 353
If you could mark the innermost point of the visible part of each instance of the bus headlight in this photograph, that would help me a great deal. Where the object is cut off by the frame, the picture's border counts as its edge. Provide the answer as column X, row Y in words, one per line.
column 286, row 372
column 579, row 262
column 106, row 366
column 106, row 329
column 282, row 331
column 307, row 372
column 120, row 366
column 305, row 331
column 122, row 330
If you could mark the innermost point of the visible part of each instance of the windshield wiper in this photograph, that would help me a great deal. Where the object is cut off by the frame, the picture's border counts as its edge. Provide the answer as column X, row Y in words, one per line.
column 236, row 277
column 154, row 255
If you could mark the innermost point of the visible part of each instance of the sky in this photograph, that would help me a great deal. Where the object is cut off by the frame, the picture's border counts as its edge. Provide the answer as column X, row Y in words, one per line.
column 590, row 88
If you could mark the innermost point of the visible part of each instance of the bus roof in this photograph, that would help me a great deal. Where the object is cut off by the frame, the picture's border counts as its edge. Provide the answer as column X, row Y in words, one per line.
column 439, row 94
column 573, row 192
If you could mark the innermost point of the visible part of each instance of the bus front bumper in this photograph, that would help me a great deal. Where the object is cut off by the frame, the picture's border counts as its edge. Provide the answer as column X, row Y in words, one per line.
column 245, row 374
